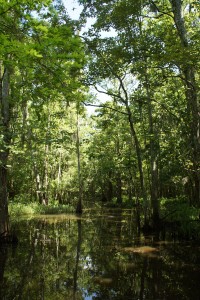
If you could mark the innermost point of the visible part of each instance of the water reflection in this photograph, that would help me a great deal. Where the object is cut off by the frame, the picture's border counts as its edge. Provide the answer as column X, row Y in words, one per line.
column 98, row 257
column 3, row 257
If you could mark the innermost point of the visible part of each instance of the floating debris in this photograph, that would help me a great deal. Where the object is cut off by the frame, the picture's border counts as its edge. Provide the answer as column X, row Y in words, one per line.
column 142, row 249
column 103, row 280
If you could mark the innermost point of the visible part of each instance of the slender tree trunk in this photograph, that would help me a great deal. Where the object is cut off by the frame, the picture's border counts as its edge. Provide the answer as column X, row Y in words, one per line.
column 118, row 175
column 79, row 204
column 109, row 187
column 153, row 160
column 3, row 259
column 59, row 189
column 119, row 188
column 24, row 109
column 4, row 151
column 192, row 99
column 142, row 279
column 194, row 114
column 38, row 184
column 153, row 149
column 79, row 241
column 46, row 176
column 59, row 168
column 139, row 160
column 46, row 165
column 125, row 100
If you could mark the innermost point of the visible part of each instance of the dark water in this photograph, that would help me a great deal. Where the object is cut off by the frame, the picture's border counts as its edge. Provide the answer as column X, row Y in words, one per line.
column 99, row 256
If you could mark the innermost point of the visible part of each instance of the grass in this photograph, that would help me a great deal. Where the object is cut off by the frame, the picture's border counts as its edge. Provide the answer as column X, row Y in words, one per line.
column 19, row 209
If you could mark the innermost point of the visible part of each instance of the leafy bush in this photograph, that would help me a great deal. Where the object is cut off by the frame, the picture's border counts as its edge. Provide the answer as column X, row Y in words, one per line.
column 186, row 218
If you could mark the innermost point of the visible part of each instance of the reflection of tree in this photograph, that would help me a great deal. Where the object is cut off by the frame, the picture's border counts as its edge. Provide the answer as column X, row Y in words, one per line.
column 79, row 240
column 27, row 268
column 3, row 257
column 77, row 258
column 143, row 273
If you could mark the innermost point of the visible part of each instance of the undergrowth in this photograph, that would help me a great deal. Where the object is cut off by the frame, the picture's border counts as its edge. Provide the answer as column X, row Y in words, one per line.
column 18, row 209
column 184, row 217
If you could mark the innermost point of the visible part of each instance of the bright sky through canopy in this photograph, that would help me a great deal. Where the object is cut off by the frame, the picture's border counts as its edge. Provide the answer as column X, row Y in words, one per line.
column 73, row 8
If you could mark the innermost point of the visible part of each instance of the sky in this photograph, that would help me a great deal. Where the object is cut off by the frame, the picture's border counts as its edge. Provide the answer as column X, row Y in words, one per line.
column 74, row 10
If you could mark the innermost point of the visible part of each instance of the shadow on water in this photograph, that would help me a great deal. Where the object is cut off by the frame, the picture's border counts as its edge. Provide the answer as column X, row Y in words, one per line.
column 97, row 257
column 3, row 257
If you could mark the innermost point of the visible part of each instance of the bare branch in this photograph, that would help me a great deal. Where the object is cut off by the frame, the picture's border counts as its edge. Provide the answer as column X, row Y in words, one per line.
column 105, row 106
column 109, row 93
column 162, row 12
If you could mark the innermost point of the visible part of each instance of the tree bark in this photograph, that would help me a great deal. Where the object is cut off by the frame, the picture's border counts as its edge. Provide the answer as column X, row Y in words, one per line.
column 139, row 160
column 119, row 188
column 79, row 203
column 4, row 151
column 192, row 99
column 118, row 175
column 153, row 160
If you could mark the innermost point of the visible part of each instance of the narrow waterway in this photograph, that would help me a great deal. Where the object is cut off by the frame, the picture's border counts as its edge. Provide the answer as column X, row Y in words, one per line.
column 98, row 256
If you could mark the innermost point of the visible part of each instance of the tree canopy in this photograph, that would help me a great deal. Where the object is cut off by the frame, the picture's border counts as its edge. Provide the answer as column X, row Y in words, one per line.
column 140, row 146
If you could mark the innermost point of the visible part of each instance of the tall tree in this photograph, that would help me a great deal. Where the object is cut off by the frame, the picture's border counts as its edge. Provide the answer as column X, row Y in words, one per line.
column 188, row 69
column 146, row 42
column 5, row 132
column 39, row 48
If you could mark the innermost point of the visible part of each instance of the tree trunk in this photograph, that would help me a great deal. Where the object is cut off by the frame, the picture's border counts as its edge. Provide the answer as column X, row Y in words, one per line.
column 153, row 160
column 139, row 161
column 3, row 259
column 78, row 250
column 118, row 175
column 24, row 109
column 119, row 189
column 194, row 113
column 79, row 203
column 4, row 151
column 46, row 176
column 192, row 99
column 109, row 187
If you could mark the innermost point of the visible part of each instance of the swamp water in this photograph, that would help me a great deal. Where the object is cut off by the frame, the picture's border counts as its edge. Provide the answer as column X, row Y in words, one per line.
column 97, row 257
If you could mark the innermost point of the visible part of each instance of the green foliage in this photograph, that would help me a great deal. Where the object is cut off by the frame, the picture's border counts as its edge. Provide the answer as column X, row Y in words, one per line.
column 148, row 62
column 45, row 58
column 184, row 218
column 147, row 71
column 17, row 209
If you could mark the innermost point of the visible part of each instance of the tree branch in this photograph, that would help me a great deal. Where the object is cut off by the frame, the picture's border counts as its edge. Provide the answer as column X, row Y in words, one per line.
column 105, row 106
column 107, row 93
column 160, row 11
column 9, row 8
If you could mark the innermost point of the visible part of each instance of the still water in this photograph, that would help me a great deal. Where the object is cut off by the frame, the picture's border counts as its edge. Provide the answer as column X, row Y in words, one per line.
column 100, row 256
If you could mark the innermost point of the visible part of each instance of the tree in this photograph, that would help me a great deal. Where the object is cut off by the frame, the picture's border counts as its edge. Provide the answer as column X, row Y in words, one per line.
column 145, row 44
column 5, row 119
column 79, row 203
column 34, row 55
column 189, row 72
